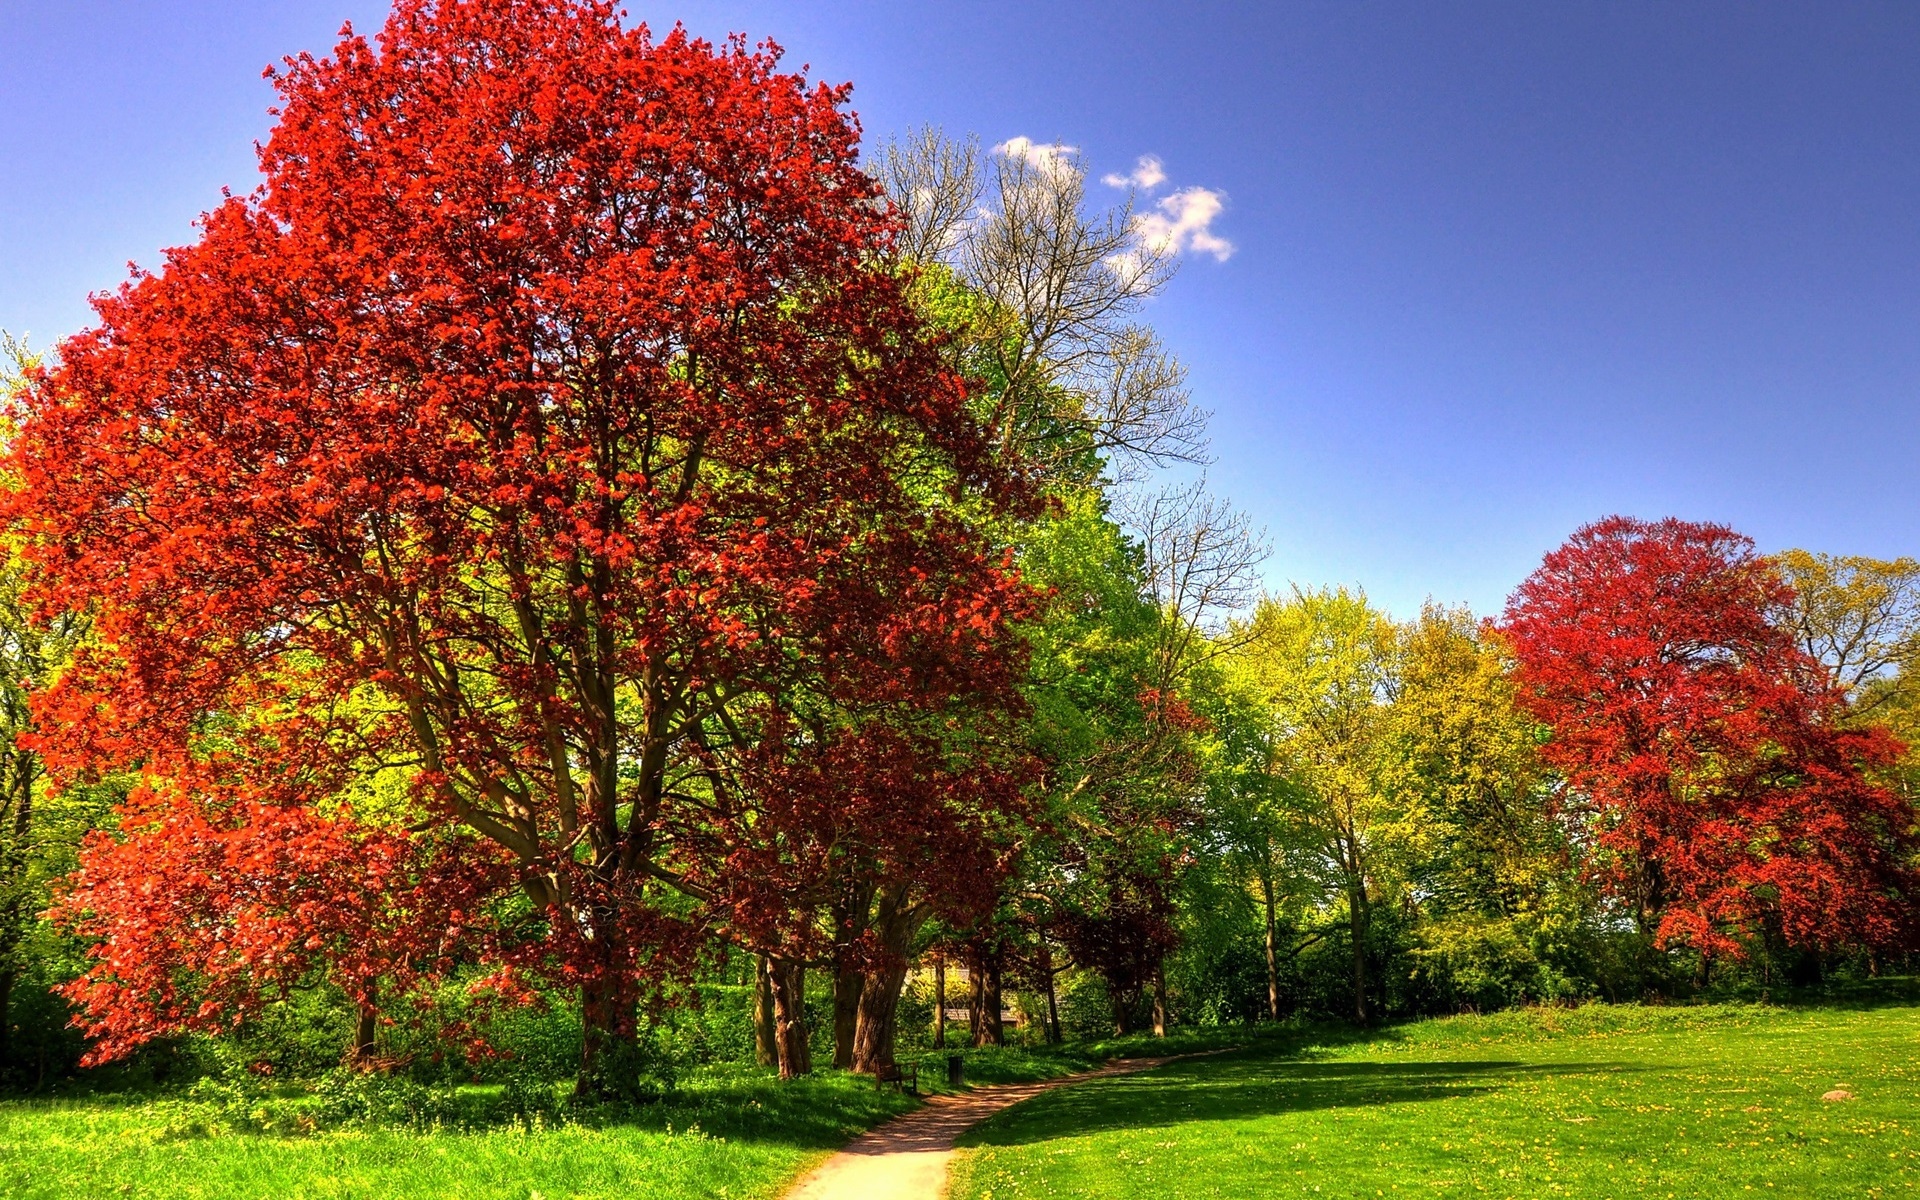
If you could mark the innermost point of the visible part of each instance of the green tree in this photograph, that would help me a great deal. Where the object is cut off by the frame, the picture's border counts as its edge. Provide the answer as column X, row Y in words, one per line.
column 1498, row 889
column 1257, row 827
column 1324, row 667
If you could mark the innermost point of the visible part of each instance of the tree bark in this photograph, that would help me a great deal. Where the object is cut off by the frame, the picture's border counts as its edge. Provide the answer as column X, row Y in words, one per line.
column 848, row 985
column 851, row 915
column 607, row 1014
column 1050, row 973
column 366, row 1027
column 1273, row 951
column 1357, row 921
column 789, row 986
column 764, row 1051
column 879, row 1018
column 896, row 921
column 983, row 1000
column 940, row 1003
column 1160, row 1000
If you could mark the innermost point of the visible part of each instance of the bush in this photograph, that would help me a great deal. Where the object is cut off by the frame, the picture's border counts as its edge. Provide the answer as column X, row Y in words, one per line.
column 348, row 1097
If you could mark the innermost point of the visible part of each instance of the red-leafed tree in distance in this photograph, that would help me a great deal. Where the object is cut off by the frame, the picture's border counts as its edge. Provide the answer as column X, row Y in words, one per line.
column 548, row 426
column 1702, row 745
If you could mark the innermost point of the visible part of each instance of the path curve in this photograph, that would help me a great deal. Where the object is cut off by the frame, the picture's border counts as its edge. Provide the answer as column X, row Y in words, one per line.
column 907, row 1158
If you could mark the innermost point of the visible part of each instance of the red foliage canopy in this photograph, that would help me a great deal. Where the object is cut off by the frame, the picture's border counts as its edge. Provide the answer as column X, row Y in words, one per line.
column 1704, row 746
column 549, row 425
column 200, row 915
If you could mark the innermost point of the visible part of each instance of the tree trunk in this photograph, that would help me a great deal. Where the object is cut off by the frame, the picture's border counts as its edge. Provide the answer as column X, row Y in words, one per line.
column 789, row 986
column 1049, row 972
column 850, row 915
column 879, row 1018
column 996, row 1020
column 1122, row 1006
column 763, row 1037
column 847, row 987
column 896, row 922
column 366, row 1026
column 1357, row 914
column 607, row 1014
column 940, row 1003
column 976, row 1003
column 1160, row 1000
column 983, row 1000
column 1273, row 951
column 6, row 1016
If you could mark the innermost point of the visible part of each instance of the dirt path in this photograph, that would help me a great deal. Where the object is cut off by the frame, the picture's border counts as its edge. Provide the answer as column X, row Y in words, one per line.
column 907, row 1158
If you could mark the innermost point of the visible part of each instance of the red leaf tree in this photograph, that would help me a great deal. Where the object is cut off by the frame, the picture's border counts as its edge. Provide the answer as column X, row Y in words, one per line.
column 547, row 426
column 1702, row 747
column 203, row 911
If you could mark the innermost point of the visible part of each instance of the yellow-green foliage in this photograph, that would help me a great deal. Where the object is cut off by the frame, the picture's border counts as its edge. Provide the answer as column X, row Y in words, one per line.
column 1323, row 667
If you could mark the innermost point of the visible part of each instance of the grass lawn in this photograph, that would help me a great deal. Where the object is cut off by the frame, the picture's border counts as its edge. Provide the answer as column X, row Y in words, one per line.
column 725, row 1135
column 728, row 1132
column 1595, row 1102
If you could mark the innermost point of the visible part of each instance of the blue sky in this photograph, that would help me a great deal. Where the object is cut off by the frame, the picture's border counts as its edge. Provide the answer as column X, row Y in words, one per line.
column 1498, row 269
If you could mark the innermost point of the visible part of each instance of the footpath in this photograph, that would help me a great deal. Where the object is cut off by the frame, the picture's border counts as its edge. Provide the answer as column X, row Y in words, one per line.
column 907, row 1158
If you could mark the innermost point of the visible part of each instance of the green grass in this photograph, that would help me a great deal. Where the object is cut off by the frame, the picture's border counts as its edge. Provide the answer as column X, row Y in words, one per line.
column 1596, row 1102
column 727, row 1132
column 731, row 1134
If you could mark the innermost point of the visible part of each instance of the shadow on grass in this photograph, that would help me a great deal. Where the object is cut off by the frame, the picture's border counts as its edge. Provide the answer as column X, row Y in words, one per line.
column 825, row 1110
column 819, row 1112
column 1893, row 991
column 1243, row 1086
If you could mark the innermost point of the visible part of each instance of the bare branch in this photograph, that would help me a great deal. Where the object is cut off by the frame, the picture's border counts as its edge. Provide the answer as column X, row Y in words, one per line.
column 1074, row 372
column 935, row 182
column 1203, row 559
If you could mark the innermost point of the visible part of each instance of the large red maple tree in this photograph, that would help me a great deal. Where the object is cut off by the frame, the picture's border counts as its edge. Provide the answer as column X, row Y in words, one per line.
column 1702, row 748
column 549, row 426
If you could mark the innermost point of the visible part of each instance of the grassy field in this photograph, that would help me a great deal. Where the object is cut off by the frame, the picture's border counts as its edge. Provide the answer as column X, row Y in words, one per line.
column 727, row 1132
column 1596, row 1102
column 726, row 1135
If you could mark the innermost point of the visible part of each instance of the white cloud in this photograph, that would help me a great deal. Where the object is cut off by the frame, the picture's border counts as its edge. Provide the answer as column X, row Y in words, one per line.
column 1183, row 221
column 1050, row 158
column 1177, row 223
column 1148, row 173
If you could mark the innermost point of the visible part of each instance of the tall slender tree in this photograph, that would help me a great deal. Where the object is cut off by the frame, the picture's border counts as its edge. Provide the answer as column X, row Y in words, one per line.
column 1324, row 667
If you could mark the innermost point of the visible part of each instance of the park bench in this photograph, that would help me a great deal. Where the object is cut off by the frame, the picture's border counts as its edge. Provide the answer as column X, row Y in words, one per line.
column 903, row 1078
